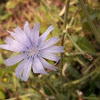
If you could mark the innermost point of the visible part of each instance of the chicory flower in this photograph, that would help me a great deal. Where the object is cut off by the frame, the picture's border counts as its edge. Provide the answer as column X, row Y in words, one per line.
column 33, row 49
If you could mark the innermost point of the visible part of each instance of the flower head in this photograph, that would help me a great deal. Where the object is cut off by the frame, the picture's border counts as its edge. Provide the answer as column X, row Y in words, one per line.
column 34, row 50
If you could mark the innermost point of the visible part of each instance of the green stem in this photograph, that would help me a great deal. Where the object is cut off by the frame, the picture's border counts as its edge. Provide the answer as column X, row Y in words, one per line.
column 93, row 64
column 66, row 14
column 79, row 53
column 78, row 48
column 92, row 26
column 53, row 90
column 64, row 26
column 80, row 80
column 38, row 91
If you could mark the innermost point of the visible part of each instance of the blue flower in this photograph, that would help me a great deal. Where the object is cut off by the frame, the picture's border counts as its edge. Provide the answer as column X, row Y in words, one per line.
column 33, row 49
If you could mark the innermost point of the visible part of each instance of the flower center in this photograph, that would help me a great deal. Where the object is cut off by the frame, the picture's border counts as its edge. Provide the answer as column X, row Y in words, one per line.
column 33, row 51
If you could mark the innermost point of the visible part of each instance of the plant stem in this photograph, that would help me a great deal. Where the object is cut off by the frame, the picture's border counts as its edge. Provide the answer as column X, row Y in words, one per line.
column 82, row 79
column 93, row 64
column 38, row 91
column 66, row 13
column 79, row 53
column 92, row 26
column 78, row 48
column 53, row 90
column 64, row 26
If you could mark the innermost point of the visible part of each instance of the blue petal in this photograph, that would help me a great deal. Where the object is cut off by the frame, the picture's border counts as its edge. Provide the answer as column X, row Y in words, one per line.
column 23, row 69
column 20, row 36
column 28, row 31
column 47, row 65
column 45, row 34
column 50, row 56
column 35, row 33
column 38, row 67
column 53, row 49
column 13, row 45
column 50, row 42
column 15, row 59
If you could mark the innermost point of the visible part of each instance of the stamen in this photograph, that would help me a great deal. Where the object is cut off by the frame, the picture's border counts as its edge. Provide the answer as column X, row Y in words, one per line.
column 32, row 52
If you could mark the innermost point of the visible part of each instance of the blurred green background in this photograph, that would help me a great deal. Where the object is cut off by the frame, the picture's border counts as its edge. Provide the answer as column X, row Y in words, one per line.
column 79, row 77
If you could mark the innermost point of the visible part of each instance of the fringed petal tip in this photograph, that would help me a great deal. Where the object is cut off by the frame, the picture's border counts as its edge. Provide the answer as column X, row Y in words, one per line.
column 56, row 68
column 51, row 27
column 57, row 61
column 27, row 22
column 41, row 72
column 23, row 79
column 23, row 70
